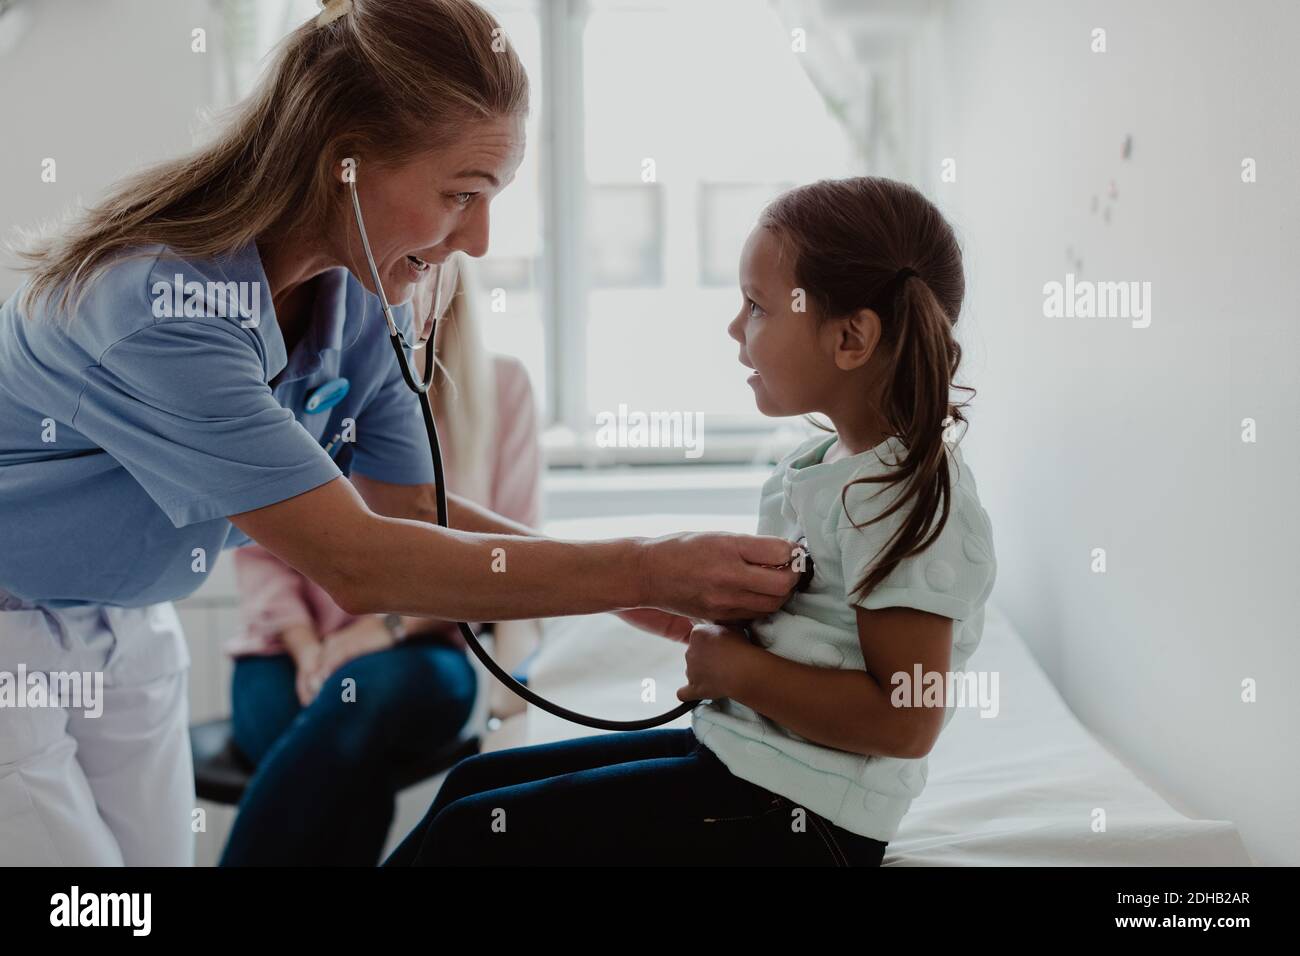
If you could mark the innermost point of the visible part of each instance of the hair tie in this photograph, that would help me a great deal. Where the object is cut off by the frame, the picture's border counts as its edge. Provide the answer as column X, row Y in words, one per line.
column 331, row 10
column 885, row 297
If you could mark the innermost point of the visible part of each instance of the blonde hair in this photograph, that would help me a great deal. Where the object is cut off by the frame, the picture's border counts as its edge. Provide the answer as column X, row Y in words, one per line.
column 464, row 390
column 384, row 79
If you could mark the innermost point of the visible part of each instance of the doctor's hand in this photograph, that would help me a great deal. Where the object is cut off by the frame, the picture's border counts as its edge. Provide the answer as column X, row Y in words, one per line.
column 716, row 576
column 651, row 619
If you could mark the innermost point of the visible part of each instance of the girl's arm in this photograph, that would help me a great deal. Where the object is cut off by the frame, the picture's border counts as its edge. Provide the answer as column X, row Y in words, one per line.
column 845, row 709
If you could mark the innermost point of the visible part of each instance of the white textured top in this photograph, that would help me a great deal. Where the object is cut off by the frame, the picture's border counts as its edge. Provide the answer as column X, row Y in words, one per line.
column 952, row 577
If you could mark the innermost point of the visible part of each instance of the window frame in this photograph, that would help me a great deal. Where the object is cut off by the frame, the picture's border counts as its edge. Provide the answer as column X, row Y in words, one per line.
column 568, row 437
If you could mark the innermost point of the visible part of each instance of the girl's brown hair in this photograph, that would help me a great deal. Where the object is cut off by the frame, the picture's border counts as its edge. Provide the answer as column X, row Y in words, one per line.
column 850, row 238
column 384, row 81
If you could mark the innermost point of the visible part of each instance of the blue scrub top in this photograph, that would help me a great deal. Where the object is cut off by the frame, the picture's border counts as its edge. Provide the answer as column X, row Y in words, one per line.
column 129, row 432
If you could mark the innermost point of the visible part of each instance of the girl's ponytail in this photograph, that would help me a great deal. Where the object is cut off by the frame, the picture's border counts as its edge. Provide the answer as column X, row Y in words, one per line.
column 876, row 243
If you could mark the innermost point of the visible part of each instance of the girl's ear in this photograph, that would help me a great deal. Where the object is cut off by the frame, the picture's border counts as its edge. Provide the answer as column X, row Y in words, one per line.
column 857, row 336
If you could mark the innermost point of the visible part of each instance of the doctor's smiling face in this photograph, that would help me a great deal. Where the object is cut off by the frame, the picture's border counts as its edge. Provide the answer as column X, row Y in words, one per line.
column 419, row 212
column 791, row 353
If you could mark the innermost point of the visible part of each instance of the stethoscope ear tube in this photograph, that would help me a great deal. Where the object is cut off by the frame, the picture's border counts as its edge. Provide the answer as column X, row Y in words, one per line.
column 440, row 493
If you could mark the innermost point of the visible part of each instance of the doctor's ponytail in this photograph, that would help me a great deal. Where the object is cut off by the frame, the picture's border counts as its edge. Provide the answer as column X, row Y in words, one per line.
column 377, row 79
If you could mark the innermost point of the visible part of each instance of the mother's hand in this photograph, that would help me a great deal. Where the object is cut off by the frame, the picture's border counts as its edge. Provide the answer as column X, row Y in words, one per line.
column 716, row 576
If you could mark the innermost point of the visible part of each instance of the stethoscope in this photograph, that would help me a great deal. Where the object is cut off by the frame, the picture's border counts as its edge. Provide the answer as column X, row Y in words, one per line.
column 420, row 386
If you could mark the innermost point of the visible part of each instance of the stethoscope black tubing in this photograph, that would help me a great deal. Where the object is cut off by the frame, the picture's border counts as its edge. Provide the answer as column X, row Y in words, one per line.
column 421, row 389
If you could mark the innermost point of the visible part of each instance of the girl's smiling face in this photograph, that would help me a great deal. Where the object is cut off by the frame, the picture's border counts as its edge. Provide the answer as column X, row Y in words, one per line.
column 792, row 367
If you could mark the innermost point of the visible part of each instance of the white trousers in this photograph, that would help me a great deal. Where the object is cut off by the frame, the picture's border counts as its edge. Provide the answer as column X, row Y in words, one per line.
column 80, row 788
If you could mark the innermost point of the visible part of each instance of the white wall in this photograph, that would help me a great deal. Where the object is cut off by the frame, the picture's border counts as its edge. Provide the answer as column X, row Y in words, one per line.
column 102, row 87
column 1093, row 434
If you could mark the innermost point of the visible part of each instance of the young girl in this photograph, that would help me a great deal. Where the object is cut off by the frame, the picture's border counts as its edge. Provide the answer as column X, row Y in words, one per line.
column 808, row 748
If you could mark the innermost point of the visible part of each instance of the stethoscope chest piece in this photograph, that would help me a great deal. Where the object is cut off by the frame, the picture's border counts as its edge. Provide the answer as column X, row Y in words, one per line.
column 327, row 396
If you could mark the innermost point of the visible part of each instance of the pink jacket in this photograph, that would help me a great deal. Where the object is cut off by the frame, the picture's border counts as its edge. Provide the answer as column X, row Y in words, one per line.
column 274, row 596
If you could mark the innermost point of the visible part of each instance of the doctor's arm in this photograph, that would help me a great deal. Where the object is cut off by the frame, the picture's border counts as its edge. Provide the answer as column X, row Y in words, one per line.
column 420, row 503
column 373, row 563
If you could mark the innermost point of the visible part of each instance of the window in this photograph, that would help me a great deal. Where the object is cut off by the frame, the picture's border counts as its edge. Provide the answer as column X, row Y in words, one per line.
column 726, row 216
column 512, row 275
column 625, row 231
column 708, row 104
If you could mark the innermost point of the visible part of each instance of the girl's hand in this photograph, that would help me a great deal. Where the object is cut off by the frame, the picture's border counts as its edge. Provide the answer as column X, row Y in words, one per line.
column 714, row 654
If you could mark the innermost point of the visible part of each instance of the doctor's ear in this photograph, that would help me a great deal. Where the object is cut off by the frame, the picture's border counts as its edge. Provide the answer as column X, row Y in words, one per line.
column 856, row 338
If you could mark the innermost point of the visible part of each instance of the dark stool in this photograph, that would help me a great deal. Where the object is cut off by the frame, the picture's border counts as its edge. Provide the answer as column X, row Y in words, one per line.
column 221, row 772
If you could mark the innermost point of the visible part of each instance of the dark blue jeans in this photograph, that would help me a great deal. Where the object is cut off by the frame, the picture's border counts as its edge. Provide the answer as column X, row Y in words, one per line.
column 649, row 798
column 325, row 785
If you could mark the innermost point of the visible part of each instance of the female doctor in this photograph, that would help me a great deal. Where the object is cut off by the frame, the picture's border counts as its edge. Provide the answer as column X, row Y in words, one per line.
column 140, row 420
